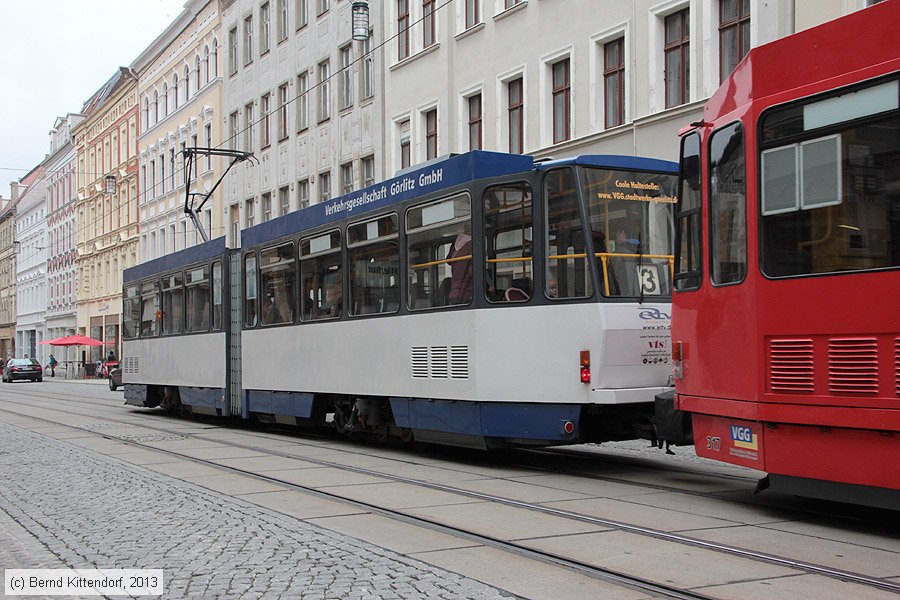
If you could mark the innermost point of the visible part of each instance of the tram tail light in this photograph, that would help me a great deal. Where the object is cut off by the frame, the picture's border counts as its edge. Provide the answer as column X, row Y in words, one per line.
column 585, row 361
column 677, row 360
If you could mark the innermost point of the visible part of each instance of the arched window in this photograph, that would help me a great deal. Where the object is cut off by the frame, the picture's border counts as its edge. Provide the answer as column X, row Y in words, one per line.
column 206, row 64
column 154, row 110
column 175, row 91
column 165, row 99
column 196, row 73
column 215, row 58
column 187, row 83
column 145, row 113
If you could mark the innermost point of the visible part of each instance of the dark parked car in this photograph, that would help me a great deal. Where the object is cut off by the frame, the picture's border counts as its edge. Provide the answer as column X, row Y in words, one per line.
column 115, row 378
column 22, row 368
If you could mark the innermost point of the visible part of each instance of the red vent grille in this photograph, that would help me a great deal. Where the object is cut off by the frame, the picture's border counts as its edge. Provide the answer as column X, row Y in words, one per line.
column 853, row 366
column 897, row 366
column 791, row 366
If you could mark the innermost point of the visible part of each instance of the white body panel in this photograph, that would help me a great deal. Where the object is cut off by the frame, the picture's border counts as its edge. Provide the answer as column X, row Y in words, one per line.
column 189, row 360
column 510, row 354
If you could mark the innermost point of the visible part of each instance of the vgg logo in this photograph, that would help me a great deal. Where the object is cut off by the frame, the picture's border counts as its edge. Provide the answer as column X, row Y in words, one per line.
column 743, row 437
column 653, row 314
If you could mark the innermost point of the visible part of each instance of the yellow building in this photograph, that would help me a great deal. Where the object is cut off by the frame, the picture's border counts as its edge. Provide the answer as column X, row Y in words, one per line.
column 106, row 207
column 8, row 275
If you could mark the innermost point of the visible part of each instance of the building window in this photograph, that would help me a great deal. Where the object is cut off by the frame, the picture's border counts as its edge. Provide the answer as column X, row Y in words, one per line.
column 614, row 82
column 402, row 29
column 284, row 200
column 431, row 134
column 324, row 5
column 677, row 57
column 248, row 40
column 207, row 133
column 248, row 128
column 266, row 207
column 282, row 20
column 734, row 34
column 324, row 91
column 515, row 115
column 233, row 128
column 264, row 107
column 264, row 28
column 282, row 112
column 172, row 168
column 368, row 171
column 250, row 212
column 153, row 179
column 346, row 78
column 473, row 13
column 302, row 102
column 324, row 186
column 561, row 100
column 510, row 3
column 303, row 194
column 302, row 13
column 428, row 24
column 347, row 178
column 405, row 156
column 235, row 217
column 368, row 68
column 475, row 122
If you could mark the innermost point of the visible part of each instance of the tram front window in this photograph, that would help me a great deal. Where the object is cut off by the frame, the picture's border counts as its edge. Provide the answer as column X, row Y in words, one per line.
column 631, row 223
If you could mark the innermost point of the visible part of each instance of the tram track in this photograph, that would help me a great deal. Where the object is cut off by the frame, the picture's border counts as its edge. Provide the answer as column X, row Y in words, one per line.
column 807, row 567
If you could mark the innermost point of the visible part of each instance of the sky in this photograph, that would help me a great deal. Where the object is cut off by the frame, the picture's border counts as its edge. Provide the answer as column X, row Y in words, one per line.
column 54, row 54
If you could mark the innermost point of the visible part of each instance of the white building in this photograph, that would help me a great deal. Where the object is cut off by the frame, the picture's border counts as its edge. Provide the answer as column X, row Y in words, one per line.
column 300, row 96
column 61, row 223
column 569, row 76
column 179, row 87
column 31, row 269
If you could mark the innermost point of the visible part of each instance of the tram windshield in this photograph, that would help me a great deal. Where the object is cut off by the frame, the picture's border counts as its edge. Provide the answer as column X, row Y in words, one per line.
column 631, row 224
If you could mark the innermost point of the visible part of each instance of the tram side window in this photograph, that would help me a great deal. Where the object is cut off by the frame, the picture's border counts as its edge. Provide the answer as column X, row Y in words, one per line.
column 217, row 296
column 727, row 206
column 197, row 299
column 149, row 309
column 508, row 243
column 829, row 197
column 567, row 264
column 131, row 313
column 321, row 277
column 172, row 303
column 374, row 252
column 688, row 246
column 277, row 280
column 439, row 248
column 250, row 291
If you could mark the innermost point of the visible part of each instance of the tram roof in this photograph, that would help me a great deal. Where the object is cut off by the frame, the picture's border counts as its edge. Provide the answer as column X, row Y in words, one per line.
column 168, row 262
column 861, row 40
column 430, row 177
column 613, row 161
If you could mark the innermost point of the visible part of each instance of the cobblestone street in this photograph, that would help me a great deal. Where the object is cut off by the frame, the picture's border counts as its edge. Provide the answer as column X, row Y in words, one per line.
column 65, row 507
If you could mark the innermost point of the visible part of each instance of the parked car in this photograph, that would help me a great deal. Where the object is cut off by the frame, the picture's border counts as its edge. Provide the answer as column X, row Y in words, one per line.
column 22, row 368
column 115, row 378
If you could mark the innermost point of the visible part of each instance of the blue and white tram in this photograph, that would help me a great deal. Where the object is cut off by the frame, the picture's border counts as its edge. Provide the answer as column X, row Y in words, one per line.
column 482, row 300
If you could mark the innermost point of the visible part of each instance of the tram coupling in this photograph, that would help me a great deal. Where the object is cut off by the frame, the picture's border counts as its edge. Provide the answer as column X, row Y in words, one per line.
column 671, row 426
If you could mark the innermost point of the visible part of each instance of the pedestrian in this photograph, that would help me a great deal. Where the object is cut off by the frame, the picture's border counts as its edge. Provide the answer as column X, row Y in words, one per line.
column 52, row 366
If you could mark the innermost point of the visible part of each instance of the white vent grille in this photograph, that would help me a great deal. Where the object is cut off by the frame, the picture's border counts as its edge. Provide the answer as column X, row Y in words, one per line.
column 419, row 362
column 130, row 365
column 459, row 362
column 439, row 362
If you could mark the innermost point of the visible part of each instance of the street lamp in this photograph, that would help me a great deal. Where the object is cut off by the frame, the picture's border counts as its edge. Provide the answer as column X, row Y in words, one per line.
column 360, row 12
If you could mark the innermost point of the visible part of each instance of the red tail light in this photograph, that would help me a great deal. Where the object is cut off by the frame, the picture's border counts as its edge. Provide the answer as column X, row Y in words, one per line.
column 13, row 369
column 677, row 358
column 40, row 368
column 585, row 362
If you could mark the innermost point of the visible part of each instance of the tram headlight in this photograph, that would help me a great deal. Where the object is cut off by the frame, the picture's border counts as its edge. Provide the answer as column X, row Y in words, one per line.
column 585, row 361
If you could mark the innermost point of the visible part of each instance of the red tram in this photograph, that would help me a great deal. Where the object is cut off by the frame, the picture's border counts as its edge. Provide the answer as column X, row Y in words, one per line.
column 786, row 314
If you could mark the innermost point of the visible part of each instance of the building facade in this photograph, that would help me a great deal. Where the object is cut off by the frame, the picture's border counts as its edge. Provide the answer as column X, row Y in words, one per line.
column 8, row 273
column 106, row 209
column 563, row 77
column 60, row 166
column 31, row 267
column 305, row 99
column 179, row 89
